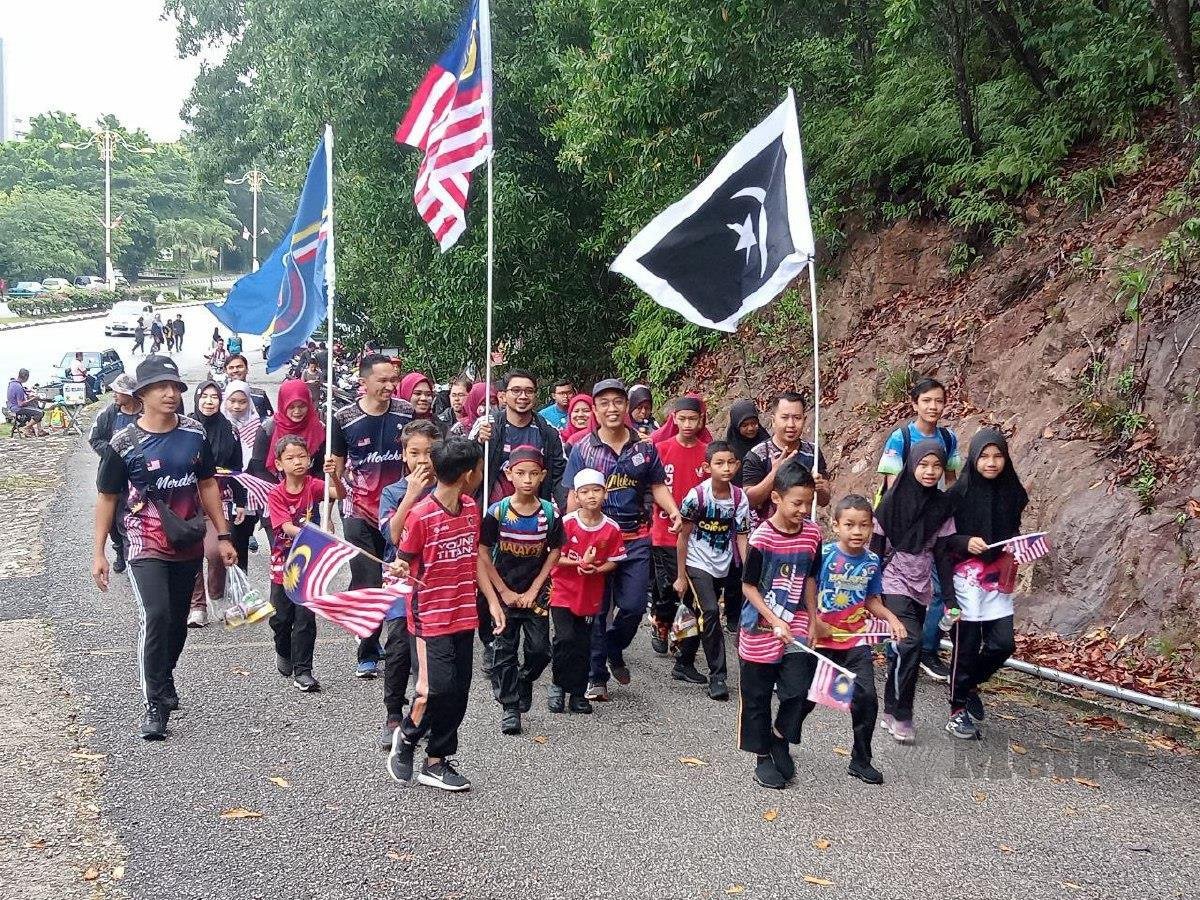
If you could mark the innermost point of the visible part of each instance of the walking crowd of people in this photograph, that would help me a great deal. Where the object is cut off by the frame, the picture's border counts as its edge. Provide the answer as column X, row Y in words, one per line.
column 548, row 534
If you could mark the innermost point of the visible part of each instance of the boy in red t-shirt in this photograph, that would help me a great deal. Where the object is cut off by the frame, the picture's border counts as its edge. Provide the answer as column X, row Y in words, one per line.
column 591, row 548
column 682, row 457
column 291, row 503
column 438, row 546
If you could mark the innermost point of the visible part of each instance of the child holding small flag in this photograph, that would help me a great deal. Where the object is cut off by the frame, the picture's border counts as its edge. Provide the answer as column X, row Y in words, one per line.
column 779, row 581
column 846, row 610
column 439, row 543
column 988, row 502
column 296, row 499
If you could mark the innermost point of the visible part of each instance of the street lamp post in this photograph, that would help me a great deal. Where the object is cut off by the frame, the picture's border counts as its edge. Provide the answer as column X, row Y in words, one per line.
column 106, row 142
column 255, row 180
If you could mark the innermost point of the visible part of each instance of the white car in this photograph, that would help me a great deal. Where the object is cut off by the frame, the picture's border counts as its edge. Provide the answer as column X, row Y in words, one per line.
column 122, row 318
column 54, row 285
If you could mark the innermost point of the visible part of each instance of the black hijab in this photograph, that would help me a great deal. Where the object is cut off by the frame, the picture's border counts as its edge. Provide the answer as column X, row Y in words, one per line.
column 739, row 413
column 989, row 508
column 911, row 513
column 226, row 448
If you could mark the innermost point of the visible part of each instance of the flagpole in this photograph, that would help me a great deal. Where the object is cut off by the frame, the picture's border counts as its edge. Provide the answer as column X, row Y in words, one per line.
column 812, row 289
column 330, row 277
column 485, row 41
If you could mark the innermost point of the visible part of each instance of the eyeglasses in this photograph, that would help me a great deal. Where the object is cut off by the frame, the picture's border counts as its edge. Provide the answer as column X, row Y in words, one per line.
column 521, row 392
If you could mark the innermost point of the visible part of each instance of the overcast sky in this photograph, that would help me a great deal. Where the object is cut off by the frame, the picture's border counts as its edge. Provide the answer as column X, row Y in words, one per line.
column 91, row 57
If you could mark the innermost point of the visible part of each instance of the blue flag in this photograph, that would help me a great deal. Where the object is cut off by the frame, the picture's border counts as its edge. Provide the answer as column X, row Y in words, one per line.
column 287, row 296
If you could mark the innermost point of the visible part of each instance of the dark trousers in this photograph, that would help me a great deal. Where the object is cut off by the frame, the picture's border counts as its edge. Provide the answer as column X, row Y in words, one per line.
column 241, row 540
column 116, row 534
column 664, row 569
column 508, row 669
column 901, row 684
column 702, row 601
column 571, row 648
column 163, row 591
column 864, row 707
column 440, row 699
column 790, row 679
column 295, row 628
column 398, row 664
column 625, row 598
column 139, row 344
column 365, row 573
column 734, row 598
column 216, row 577
column 980, row 649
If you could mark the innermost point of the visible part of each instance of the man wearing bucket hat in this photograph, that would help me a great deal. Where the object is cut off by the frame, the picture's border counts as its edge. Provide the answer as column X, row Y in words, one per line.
column 633, row 472
column 123, row 411
column 163, row 466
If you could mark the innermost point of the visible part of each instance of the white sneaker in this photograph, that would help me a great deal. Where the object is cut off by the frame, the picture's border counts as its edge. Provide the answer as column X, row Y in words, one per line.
column 197, row 618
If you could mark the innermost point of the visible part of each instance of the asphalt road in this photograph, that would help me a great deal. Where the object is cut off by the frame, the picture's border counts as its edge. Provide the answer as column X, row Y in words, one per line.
column 583, row 807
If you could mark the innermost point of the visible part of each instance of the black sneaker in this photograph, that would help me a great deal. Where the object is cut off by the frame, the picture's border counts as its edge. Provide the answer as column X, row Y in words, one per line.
column 717, row 689
column 620, row 672
column 580, row 704
column 400, row 759
column 687, row 672
column 443, row 776
column 731, row 626
column 118, row 565
column 304, row 681
column 555, row 699
column 864, row 771
column 962, row 726
column 658, row 638
column 170, row 700
column 767, row 775
column 154, row 723
column 934, row 668
column 390, row 727
column 781, row 756
column 283, row 665
column 525, row 693
column 510, row 722
column 975, row 706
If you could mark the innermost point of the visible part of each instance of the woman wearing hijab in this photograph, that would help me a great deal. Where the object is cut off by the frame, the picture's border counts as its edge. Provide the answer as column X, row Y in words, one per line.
column 417, row 389
column 473, row 412
column 744, row 433
column 239, row 409
column 988, row 502
column 227, row 455
column 641, row 410
column 296, row 416
column 913, row 525
column 581, row 419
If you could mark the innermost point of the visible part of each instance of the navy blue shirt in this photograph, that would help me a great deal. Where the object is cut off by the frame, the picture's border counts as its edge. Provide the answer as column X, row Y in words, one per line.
column 629, row 475
column 370, row 445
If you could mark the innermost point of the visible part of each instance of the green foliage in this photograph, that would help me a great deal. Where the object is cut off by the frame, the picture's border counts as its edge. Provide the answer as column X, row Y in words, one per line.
column 1087, row 187
column 960, row 258
column 62, row 303
column 657, row 346
column 1132, row 285
column 1145, row 484
column 1108, row 405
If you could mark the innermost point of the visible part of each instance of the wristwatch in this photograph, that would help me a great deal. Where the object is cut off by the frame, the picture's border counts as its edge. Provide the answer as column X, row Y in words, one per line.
column 225, row 536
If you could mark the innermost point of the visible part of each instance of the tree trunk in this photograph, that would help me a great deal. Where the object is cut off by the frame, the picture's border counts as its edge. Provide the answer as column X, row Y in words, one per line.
column 956, row 50
column 1174, row 17
column 1007, row 31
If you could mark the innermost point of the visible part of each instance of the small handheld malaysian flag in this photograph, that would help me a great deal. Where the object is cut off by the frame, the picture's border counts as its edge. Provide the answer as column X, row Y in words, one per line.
column 832, row 685
column 1025, row 548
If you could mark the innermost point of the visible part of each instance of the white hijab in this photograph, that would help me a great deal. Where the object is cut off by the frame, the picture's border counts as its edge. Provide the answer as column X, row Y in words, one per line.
column 247, row 424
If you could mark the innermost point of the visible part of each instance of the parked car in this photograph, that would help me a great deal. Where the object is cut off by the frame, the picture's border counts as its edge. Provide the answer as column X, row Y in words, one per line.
column 26, row 289
column 89, row 283
column 54, row 285
column 106, row 364
column 122, row 319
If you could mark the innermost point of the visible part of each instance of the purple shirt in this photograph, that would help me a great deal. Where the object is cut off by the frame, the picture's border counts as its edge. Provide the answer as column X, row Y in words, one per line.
column 16, row 395
column 911, row 574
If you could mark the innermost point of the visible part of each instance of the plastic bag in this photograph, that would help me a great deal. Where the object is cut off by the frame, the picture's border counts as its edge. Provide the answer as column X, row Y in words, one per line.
column 685, row 625
column 246, row 604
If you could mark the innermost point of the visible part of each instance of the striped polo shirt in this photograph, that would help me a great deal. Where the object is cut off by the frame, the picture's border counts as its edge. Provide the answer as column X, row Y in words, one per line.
column 778, row 565
column 440, row 547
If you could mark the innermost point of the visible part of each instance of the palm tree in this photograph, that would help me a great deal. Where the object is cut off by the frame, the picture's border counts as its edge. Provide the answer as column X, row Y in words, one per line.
column 215, row 236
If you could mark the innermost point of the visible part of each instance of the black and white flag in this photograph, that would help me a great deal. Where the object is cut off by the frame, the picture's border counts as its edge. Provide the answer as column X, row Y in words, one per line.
column 736, row 242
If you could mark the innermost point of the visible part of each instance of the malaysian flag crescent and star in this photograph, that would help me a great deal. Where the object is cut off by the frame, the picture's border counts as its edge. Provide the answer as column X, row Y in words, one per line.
column 314, row 560
column 450, row 119
column 739, row 239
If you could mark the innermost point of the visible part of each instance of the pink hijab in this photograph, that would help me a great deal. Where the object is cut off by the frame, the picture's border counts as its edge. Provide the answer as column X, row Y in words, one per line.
column 474, row 400
column 570, row 433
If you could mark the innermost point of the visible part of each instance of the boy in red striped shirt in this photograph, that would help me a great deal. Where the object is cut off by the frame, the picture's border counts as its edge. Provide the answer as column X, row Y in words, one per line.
column 779, row 582
column 439, row 544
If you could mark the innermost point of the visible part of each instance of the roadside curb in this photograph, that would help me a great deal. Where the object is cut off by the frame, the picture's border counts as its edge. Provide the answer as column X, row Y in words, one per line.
column 83, row 317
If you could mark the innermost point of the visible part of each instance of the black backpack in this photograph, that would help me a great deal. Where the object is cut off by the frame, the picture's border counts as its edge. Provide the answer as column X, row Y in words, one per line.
column 943, row 433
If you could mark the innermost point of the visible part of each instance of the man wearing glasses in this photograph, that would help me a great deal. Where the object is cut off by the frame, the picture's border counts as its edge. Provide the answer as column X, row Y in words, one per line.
column 517, row 425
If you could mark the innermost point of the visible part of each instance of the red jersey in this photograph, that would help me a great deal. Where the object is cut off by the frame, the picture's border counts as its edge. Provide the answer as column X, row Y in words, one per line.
column 584, row 594
column 685, row 469
column 441, row 547
column 282, row 507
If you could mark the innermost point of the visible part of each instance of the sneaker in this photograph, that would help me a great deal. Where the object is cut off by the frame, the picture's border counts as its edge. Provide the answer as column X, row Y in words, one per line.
column 687, row 672
column 975, row 706
column 368, row 668
column 864, row 771
column 118, row 565
column 781, row 756
column 903, row 731
column 962, row 726
column 597, row 690
column 658, row 638
column 731, row 626
column 934, row 668
column 767, row 775
column 154, row 723
column 400, row 757
column 170, row 699
column 525, row 693
column 197, row 618
column 510, row 722
column 303, row 681
column 555, row 699
column 580, row 705
column 443, row 775
column 283, row 665
column 390, row 727
column 718, row 689
column 620, row 672
column 886, row 721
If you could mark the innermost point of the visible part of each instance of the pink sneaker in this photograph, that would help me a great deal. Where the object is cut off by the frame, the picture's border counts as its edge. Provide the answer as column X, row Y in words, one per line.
column 903, row 731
